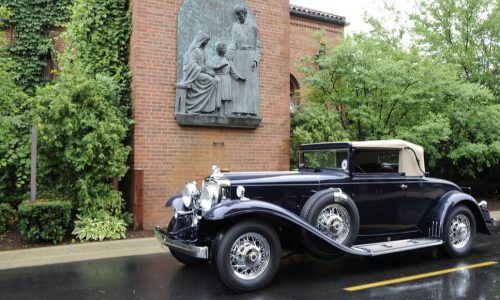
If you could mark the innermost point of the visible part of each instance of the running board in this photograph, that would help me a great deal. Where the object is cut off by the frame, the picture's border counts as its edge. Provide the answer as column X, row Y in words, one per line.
column 375, row 249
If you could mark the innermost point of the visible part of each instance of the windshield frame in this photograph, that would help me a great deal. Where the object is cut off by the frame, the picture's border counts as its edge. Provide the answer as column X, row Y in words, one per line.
column 340, row 147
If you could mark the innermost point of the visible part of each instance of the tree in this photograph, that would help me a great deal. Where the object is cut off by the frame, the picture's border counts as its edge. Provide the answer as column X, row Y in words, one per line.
column 464, row 32
column 312, row 123
column 382, row 90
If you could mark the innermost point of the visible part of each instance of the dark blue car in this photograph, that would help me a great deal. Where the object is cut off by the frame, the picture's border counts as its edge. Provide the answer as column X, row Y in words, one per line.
column 362, row 198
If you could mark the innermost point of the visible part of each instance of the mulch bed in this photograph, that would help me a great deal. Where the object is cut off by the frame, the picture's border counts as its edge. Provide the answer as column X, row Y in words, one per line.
column 12, row 240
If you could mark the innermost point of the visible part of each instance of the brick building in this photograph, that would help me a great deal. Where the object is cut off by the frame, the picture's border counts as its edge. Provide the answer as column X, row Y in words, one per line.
column 166, row 155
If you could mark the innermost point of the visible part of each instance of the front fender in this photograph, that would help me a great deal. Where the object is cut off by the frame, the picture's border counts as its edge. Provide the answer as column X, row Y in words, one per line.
column 434, row 221
column 175, row 202
column 234, row 208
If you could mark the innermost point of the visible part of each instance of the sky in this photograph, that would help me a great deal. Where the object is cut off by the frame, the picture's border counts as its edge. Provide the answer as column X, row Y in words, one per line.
column 353, row 10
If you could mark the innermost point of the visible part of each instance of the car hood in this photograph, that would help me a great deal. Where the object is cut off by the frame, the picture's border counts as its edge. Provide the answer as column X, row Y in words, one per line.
column 291, row 177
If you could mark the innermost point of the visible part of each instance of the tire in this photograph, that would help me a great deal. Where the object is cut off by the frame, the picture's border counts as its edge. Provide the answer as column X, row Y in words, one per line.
column 330, row 215
column 262, row 247
column 459, row 231
column 187, row 260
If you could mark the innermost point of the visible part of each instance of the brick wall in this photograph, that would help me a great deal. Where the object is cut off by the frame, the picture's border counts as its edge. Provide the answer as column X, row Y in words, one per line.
column 302, row 41
column 7, row 34
column 171, row 154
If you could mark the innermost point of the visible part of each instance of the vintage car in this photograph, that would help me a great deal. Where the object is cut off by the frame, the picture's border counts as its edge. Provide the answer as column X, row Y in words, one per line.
column 362, row 198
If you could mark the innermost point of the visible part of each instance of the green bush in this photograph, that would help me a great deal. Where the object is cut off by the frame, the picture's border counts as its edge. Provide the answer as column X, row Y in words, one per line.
column 7, row 216
column 80, row 132
column 102, row 198
column 99, row 226
column 44, row 220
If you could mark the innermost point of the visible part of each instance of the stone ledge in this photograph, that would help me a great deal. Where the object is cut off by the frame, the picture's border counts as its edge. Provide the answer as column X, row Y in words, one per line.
column 217, row 121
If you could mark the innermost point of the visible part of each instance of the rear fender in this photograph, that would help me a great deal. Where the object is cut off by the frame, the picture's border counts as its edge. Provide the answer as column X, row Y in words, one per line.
column 434, row 221
column 239, row 208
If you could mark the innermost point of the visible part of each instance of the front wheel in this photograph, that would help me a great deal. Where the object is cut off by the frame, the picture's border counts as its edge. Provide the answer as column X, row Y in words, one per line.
column 247, row 256
column 459, row 231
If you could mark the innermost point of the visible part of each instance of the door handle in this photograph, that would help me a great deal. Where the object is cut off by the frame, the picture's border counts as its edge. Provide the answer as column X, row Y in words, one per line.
column 404, row 186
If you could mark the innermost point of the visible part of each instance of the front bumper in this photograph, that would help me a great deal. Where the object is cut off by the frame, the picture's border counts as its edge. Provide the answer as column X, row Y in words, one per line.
column 186, row 249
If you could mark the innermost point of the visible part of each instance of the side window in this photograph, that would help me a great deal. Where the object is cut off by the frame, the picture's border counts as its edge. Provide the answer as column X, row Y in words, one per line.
column 376, row 161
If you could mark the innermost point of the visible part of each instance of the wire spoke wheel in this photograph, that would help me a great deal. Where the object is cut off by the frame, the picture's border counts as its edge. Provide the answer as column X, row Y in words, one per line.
column 334, row 221
column 459, row 231
column 249, row 256
column 334, row 214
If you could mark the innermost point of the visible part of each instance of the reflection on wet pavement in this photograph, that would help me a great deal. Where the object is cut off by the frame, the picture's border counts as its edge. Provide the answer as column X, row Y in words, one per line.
column 299, row 277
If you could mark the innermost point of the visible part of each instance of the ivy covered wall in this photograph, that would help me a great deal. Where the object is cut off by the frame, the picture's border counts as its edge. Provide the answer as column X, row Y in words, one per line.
column 32, row 46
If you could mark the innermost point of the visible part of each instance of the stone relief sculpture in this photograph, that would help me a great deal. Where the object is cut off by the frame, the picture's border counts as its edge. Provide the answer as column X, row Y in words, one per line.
column 225, row 71
column 218, row 72
column 203, row 95
column 244, row 51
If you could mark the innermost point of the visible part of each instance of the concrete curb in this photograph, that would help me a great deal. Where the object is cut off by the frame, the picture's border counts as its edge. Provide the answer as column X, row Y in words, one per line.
column 78, row 252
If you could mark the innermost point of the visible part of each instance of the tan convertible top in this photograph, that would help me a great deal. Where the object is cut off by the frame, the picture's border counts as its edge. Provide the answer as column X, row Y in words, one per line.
column 407, row 162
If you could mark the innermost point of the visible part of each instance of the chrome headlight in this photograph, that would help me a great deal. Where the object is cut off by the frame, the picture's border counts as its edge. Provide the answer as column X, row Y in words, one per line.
column 188, row 193
column 209, row 195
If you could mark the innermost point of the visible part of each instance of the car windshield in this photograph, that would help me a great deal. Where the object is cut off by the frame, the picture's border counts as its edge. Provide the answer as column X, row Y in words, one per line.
column 327, row 159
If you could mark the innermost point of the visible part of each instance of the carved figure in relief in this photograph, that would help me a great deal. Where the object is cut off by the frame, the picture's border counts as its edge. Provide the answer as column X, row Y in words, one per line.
column 202, row 93
column 225, row 70
column 244, row 52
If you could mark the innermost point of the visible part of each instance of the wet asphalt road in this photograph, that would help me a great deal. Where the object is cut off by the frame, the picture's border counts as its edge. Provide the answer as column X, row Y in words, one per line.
column 160, row 276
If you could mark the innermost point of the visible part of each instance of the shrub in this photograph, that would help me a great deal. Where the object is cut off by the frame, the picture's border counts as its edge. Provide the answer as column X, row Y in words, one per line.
column 101, row 198
column 81, row 132
column 99, row 226
column 7, row 216
column 44, row 220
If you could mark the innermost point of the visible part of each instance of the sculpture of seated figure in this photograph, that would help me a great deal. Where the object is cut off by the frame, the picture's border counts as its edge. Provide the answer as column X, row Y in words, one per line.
column 202, row 94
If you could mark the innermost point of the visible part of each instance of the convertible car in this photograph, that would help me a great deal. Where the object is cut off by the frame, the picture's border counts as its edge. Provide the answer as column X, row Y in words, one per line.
column 359, row 198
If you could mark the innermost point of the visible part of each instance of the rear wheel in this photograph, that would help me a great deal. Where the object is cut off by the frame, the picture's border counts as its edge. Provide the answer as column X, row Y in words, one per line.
column 459, row 231
column 247, row 256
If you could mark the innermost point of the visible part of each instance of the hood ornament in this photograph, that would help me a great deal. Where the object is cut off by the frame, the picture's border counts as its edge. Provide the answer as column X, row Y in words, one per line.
column 216, row 173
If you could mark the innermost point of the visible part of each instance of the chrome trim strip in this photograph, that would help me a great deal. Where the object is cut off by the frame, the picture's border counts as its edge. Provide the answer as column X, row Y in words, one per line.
column 189, row 250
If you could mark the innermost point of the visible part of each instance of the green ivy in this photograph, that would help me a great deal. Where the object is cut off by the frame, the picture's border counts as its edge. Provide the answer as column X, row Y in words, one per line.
column 15, row 124
column 99, row 32
column 30, row 20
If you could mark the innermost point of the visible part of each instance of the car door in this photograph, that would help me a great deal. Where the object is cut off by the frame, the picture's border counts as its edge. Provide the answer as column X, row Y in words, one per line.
column 381, row 202
column 379, row 190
